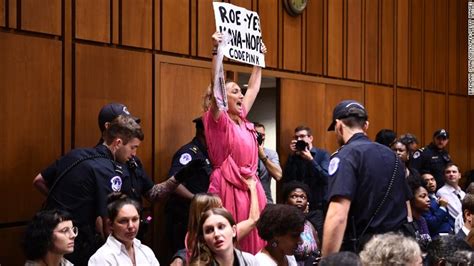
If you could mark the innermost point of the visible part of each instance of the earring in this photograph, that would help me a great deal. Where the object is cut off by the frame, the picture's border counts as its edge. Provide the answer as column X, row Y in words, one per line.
column 274, row 244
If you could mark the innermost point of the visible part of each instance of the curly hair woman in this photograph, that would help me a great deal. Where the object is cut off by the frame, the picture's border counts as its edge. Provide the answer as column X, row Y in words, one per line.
column 281, row 226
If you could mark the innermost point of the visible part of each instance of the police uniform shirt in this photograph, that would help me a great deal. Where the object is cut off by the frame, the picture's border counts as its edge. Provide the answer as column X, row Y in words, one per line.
column 432, row 160
column 199, row 182
column 135, row 182
column 361, row 171
column 83, row 190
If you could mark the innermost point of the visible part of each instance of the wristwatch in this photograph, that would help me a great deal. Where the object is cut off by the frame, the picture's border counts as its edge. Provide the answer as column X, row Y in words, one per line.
column 264, row 159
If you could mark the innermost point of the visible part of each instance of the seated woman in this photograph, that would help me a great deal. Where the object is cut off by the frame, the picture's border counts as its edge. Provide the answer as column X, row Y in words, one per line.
column 122, row 248
column 203, row 202
column 214, row 243
column 281, row 226
column 296, row 194
column 420, row 203
column 48, row 237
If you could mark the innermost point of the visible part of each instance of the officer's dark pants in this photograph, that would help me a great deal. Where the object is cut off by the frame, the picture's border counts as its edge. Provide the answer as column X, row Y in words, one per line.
column 176, row 228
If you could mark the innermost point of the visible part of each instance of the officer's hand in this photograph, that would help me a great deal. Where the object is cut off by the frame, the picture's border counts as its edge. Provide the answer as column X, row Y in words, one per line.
column 306, row 154
column 189, row 169
column 293, row 146
column 443, row 202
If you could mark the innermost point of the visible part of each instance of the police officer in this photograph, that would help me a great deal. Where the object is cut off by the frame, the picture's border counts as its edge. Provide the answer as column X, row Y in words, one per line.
column 177, row 207
column 360, row 174
column 434, row 157
column 80, row 181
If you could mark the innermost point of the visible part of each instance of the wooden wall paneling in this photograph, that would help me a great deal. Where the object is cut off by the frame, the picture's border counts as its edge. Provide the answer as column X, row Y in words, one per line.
column 2, row 13
column 93, row 20
column 193, row 27
column 68, row 25
column 459, row 131
column 30, row 75
column 371, row 41
column 471, row 129
column 292, row 36
column 315, row 37
column 434, row 114
column 387, row 44
column 179, row 89
column 41, row 16
column 462, row 50
column 335, row 38
column 441, row 45
column 175, row 26
column 379, row 104
column 453, row 34
column 429, row 46
column 409, row 113
column 10, row 246
column 116, row 20
column 301, row 95
column 335, row 94
column 247, row 4
column 12, row 14
column 354, row 40
column 157, row 22
column 268, row 12
column 105, row 75
column 416, row 43
column 137, row 23
column 402, row 42
column 206, row 26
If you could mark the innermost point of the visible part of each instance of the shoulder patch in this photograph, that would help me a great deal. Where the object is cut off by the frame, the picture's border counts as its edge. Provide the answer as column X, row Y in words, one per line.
column 416, row 154
column 185, row 158
column 333, row 165
column 116, row 183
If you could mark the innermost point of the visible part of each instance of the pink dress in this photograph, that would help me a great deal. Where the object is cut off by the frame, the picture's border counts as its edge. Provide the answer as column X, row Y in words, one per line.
column 233, row 150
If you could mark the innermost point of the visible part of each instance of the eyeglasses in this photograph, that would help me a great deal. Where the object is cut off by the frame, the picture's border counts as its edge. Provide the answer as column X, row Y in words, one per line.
column 69, row 231
column 301, row 136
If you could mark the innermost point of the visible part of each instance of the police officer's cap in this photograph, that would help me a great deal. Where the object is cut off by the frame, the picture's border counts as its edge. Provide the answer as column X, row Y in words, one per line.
column 198, row 122
column 345, row 109
column 441, row 133
column 110, row 111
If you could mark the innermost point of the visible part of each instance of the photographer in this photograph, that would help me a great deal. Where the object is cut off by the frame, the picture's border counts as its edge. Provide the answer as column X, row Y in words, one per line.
column 309, row 165
column 268, row 163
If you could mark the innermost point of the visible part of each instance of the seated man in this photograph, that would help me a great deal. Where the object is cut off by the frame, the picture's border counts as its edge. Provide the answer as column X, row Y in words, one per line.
column 437, row 218
column 467, row 213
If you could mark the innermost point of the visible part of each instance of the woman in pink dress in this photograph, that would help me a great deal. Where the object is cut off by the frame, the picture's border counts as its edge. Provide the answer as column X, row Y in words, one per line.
column 232, row 146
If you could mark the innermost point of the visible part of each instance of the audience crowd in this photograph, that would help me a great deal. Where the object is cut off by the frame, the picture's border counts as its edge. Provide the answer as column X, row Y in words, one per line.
column 382, row 202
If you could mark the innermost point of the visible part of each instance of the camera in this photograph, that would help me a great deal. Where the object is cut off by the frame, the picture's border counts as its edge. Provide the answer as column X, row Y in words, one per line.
column 259, row 138
column 301, row 145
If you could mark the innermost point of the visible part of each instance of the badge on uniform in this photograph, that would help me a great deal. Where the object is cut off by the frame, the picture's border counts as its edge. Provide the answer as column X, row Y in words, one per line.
column 333, row 165
column 116, row 183
column 185, row 158
column 416, row 154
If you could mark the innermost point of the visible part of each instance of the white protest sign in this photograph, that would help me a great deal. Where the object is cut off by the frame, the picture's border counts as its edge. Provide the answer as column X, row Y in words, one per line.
column 243, row 29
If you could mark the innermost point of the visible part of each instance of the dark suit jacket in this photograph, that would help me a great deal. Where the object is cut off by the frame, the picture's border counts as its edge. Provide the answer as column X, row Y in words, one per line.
column 461, row 234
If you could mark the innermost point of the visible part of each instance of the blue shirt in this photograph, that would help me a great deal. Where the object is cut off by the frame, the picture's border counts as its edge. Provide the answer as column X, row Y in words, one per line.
column 361, row 171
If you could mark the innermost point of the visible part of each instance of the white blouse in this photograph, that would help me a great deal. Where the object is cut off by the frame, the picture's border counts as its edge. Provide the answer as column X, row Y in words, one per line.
column 113, row 252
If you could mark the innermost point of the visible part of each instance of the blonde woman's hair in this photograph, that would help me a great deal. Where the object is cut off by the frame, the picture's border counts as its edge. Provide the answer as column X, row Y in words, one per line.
column 201, row 203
